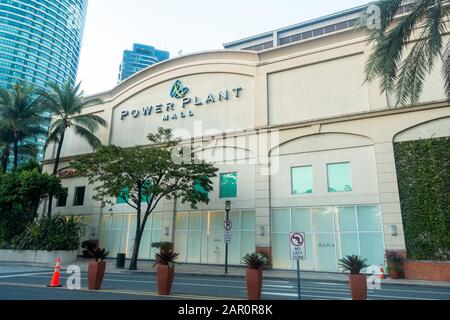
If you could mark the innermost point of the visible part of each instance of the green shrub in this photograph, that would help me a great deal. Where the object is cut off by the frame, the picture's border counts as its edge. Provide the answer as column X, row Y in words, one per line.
column 21, row 193
column 423, row 169
column 57, row 233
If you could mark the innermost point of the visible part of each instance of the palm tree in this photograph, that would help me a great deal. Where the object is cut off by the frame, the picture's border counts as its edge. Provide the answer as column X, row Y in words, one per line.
column 66, row 105
column 6, row 140
column 21, row 117
column 5, row 146
column 407, row 50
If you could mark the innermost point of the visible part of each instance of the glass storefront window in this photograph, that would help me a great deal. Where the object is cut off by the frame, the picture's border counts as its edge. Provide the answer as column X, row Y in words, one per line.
column 323, row 219
column 372, row 247
column 181, row 221
column 281, row 220
column 369, row 219
column 349, row 244
column 202, row 239
column 325, row 252
column 228, row 185
column 248, row 220
column 331, row 234
column 347, row 219
column 339, row 177
column 302, row 180
column 117, row 234
column 301, row 220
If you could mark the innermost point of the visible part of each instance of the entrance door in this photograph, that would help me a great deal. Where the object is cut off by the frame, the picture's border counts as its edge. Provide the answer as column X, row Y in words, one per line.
column 215, row 248
column 325, row 241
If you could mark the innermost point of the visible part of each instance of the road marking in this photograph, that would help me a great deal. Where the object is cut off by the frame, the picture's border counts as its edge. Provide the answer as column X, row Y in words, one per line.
column 329, row 283
column 196, row 278
column 278, row 286
column 309, row 287
column 141, row 293
column 24, row 275
column 303, row 295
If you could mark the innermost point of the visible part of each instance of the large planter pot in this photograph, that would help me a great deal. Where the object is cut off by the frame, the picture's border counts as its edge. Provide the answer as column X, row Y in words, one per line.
column 96, row 272
column 358, row 286
column 165, row 279
column 254, row 283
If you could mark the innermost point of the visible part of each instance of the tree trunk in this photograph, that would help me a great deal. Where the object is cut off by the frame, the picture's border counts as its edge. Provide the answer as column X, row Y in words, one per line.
column 16, row 154
column 137, row 244
column 58, row 153
column 5, row 158
column 55, row 171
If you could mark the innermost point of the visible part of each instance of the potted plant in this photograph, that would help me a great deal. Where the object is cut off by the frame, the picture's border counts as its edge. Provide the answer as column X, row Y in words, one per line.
column 357, row 281
column 165, row 261
column 394, row 264
column 89, row 246
column 254, row 276
column 96, row 269
column 163, row 246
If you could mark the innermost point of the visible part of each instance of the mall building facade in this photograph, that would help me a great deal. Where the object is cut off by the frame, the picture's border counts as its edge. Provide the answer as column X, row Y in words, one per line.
column 301, row 142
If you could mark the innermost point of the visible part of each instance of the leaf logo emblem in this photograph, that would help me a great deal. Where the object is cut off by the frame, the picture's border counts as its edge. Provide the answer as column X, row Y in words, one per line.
column 178, row 91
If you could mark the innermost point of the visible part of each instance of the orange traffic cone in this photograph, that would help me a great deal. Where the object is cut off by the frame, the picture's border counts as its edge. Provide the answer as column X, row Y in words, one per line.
column 381, row 275
column 55, row 279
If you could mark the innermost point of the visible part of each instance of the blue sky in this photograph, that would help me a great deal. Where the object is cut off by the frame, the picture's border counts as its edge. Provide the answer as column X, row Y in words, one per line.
column 114, row 25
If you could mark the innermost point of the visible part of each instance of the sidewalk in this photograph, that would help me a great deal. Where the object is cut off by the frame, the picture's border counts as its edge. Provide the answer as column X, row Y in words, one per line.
column 233, row 272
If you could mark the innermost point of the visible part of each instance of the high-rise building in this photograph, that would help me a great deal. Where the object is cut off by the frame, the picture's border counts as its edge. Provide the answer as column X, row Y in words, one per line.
column 40, row 42
column 140, row 58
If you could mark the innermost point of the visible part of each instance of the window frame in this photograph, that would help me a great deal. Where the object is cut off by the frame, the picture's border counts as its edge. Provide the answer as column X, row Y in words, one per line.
column 65, row 202
column 220, row 185
column 292, row 180
column 75, row 196
column 350, row 176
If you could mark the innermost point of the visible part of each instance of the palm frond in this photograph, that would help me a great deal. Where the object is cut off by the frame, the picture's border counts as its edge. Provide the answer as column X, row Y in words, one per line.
column 412, row 75
column 54, row 136
column 446, row 69
column 90, row 121
column 434, row 30
column 28, row 149
column 386, row 62
column 93, row 141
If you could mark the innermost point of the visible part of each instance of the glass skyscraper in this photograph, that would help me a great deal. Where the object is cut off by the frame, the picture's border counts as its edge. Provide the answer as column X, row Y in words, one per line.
column 140, row 58
column 40, row 42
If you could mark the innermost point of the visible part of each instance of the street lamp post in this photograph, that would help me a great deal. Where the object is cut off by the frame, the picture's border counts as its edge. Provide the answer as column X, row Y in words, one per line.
column 227, row 210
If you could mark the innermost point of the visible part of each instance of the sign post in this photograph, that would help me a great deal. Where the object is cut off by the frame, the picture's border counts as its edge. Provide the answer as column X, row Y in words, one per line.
column 227, row 225
column 298, row 253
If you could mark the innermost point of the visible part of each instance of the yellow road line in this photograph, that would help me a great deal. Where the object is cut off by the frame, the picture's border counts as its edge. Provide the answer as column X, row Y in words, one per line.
column 140, row 293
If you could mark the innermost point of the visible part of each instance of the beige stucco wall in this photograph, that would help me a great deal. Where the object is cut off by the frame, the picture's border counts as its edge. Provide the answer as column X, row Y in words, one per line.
column 319, row 90
column 313, row 89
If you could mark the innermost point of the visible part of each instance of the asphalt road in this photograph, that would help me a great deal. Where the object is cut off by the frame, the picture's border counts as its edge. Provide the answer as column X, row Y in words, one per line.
column 31, row 285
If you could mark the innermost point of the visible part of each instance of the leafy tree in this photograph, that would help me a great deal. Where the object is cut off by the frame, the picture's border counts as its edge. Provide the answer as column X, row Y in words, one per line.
column 149, row 175
column 20, row 196
column 21, row 117
column 30, row 165
column 427, row 21
column 66, row 105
